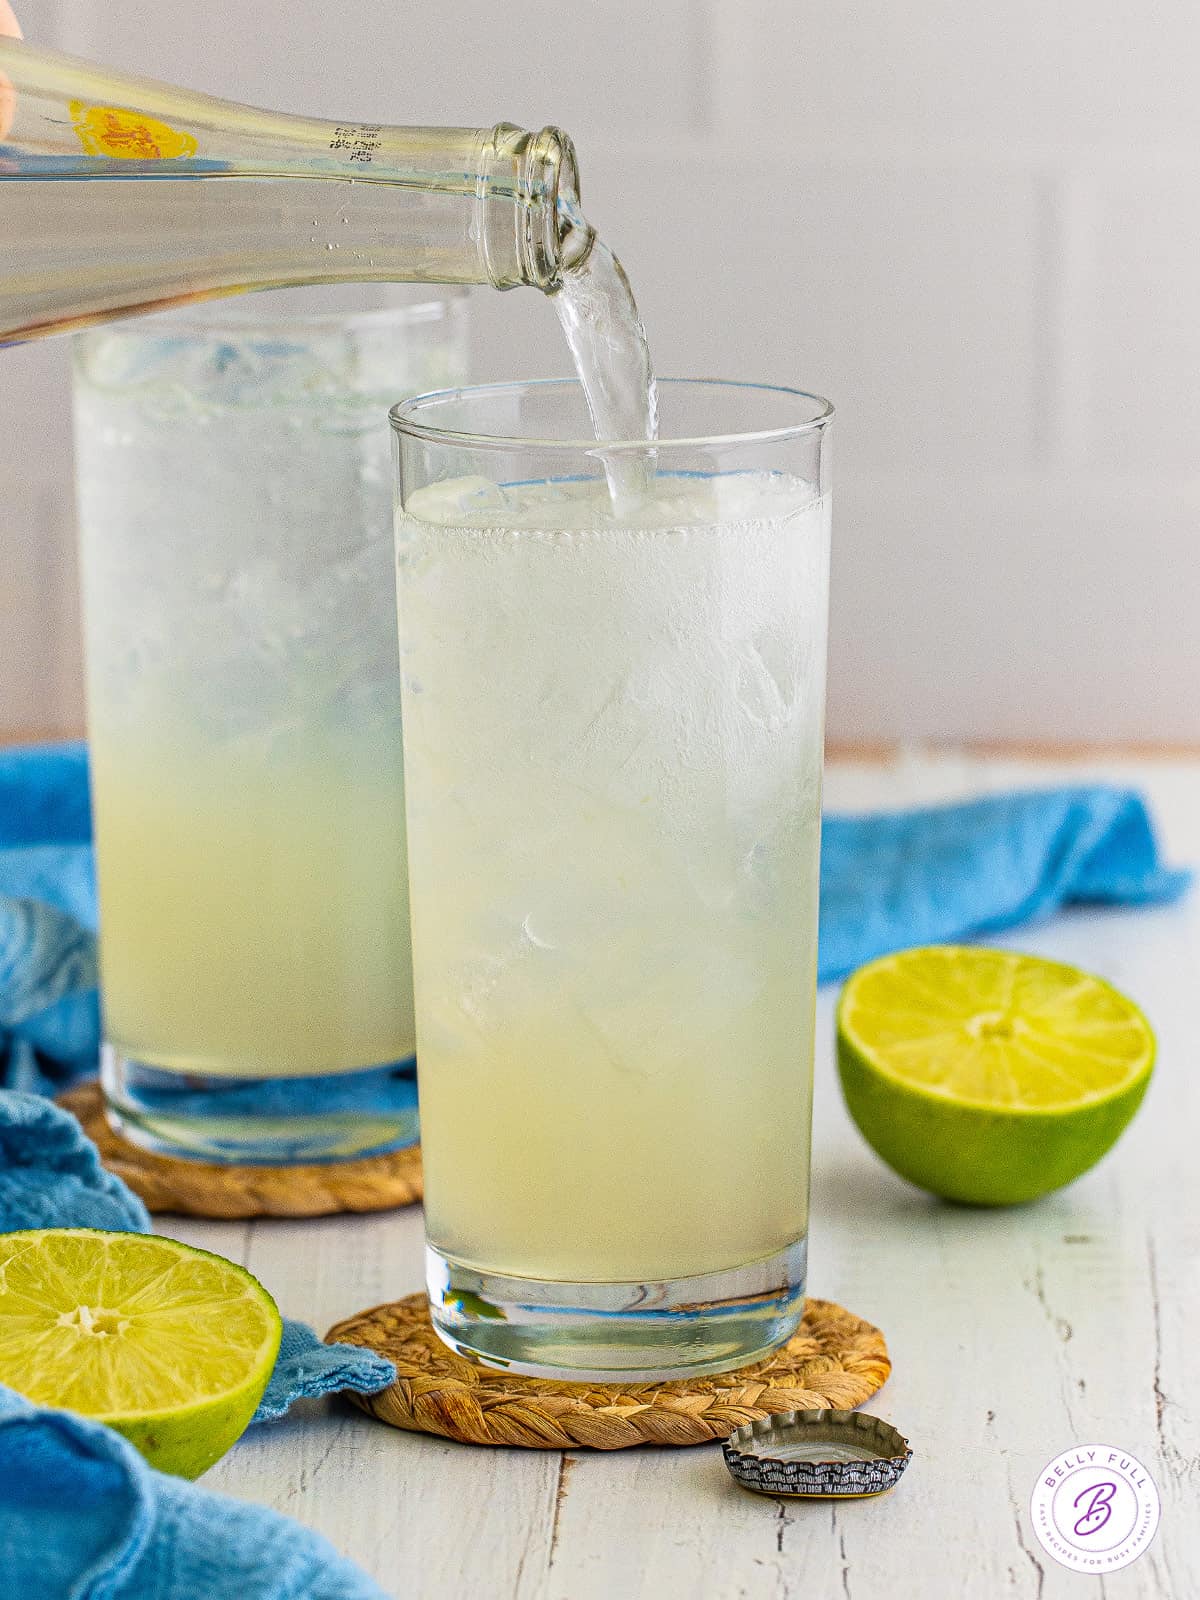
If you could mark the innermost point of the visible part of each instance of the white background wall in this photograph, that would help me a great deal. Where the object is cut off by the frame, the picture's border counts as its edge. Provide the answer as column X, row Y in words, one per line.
column 975, row 226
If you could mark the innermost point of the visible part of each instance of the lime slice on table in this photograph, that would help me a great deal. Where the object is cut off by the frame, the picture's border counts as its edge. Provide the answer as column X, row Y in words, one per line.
column 170, row 1346
column 986, row 1076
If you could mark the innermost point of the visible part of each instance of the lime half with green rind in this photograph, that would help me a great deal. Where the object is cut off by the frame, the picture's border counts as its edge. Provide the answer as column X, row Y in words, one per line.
column 987, row 1076
column 171, row 1346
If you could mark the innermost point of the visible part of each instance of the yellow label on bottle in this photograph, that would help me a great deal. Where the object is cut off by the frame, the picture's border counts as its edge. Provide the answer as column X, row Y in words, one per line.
column 128, row 135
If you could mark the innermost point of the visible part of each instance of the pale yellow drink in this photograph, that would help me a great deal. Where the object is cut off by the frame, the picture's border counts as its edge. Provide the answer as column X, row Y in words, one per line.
column 613, row 738
column 246, row 930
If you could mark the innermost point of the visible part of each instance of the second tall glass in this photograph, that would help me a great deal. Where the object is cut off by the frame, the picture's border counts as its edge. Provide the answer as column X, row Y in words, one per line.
column 613, row 726
column 243, row 718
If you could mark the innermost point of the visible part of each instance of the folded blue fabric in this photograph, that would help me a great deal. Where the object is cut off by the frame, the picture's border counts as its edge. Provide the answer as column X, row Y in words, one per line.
column 888, row 881
column 82, row 1517
column 50, row 1173
column 80, row 1512
column 305, row 1368
column 44, row 795
column 896, row 879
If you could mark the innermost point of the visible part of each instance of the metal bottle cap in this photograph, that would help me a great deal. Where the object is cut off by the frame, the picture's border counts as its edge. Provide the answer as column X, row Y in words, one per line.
column 822, row 1454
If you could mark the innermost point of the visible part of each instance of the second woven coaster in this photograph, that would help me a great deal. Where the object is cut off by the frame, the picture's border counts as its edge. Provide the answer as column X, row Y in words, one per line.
column 210, row 1189
column 835, row 1359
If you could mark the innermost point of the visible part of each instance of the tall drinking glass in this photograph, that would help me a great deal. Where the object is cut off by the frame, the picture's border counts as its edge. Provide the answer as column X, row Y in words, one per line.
column 613, row 716
column 244, row 723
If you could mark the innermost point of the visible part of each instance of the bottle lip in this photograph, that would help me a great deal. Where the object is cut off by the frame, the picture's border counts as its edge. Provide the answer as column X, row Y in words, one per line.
column 537, row 231
column 548, row 184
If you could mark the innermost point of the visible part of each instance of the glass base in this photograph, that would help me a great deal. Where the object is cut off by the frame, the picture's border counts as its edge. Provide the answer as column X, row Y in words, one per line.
column 618, row 1332
column 339, row 1116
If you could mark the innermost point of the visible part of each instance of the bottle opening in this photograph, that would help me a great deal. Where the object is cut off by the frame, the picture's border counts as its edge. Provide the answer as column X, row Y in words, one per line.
column 531, row 228
column 558, row 238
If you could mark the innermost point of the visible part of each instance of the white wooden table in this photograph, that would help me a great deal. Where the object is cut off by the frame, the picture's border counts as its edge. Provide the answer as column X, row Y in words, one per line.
column 1015, row 1334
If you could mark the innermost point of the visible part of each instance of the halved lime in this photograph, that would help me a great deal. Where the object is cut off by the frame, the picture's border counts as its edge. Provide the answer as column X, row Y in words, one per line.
column 986, row 1076
column 170, row 1346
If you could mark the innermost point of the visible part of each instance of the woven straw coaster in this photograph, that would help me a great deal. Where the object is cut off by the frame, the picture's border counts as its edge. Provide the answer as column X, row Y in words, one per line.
column 835, row 1359
column 207, row 1189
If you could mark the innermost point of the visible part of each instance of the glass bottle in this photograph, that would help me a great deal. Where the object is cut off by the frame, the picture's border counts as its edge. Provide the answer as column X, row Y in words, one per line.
column 119, row 195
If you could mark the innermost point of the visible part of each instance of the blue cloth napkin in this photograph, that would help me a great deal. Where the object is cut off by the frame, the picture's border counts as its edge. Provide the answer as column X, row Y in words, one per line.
column 892, row 880
column 44, row 795
column 888, row 880
column 49, row 1005
column 81, row 1514
column 50, row 1173
column 82, row 1517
